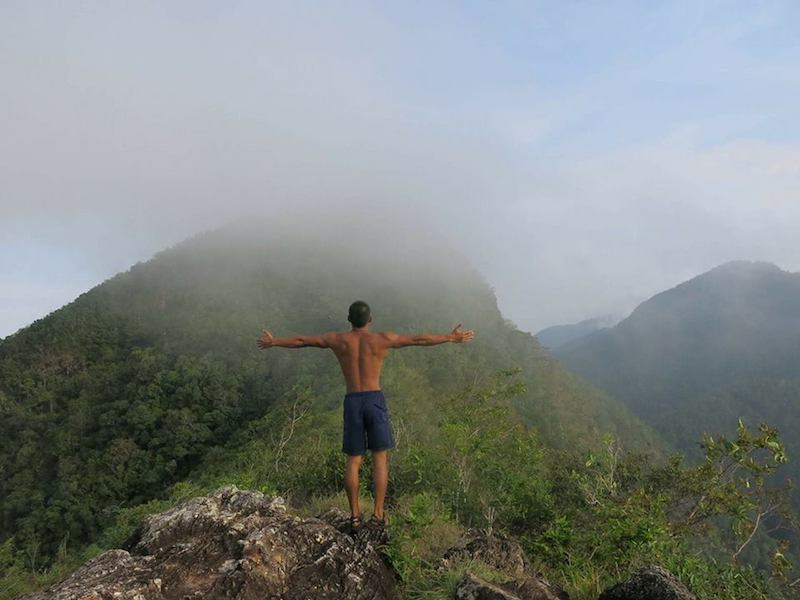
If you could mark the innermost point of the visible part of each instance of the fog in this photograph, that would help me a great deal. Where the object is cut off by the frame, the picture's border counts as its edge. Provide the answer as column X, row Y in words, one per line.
column 582, row 157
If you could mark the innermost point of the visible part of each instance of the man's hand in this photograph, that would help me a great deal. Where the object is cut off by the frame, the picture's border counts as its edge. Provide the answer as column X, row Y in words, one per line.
column 266, row 340
column 459, row 336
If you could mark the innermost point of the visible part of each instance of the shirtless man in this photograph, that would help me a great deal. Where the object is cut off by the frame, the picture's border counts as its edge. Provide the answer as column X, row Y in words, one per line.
column 366, row 419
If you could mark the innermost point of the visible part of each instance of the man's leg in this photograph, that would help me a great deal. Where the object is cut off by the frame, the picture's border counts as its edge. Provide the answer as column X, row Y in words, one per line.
column 380, row 476
column 351, row 470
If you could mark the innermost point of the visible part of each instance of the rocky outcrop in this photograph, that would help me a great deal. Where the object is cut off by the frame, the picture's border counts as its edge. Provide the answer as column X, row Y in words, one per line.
column 340, row 520
column 649, row 583
column 232, row 544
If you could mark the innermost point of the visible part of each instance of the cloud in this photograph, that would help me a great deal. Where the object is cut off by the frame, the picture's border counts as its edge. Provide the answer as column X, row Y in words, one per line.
column 584, row 157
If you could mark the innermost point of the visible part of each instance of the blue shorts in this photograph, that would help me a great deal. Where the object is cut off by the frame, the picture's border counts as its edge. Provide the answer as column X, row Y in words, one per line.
column 366, row 423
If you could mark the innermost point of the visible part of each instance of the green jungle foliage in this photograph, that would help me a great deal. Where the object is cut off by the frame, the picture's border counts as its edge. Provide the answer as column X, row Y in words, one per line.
column 585, row 519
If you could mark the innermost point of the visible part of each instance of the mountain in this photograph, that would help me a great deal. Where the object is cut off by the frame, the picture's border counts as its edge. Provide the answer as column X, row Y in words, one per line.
column 154, row 375
column 558, row 336
column 695, row 358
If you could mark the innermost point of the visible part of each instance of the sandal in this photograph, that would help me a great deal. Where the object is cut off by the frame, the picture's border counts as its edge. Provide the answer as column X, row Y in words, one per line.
column 356, row 523
column 376, row 523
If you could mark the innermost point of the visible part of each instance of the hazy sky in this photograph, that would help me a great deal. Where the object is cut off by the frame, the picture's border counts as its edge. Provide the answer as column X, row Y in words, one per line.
column 584, row 154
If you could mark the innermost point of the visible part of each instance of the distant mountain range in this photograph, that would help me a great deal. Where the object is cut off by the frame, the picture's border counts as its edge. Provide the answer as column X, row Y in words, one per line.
column 559, row 336
column 695, row 358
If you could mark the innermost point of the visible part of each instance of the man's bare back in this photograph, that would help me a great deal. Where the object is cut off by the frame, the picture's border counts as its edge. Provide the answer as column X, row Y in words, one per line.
column 361, row 352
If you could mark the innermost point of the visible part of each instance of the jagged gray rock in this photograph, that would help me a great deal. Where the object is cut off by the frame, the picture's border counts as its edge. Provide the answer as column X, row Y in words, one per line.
column 232, row 544
column 649, row 583
column 340, row 520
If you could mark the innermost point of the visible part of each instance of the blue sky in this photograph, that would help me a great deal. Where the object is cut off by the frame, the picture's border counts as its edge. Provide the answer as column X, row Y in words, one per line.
column 596, row 153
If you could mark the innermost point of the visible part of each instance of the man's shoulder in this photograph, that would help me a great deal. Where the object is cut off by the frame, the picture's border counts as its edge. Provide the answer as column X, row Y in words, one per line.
column 350, row 332
column 387, row 336
column 335, row 336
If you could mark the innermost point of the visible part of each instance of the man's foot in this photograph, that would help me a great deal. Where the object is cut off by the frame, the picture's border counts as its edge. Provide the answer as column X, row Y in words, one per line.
column 378, row 523
column 356, row 522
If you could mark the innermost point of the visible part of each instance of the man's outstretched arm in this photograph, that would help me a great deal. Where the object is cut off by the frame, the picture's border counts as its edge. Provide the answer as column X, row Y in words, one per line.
column 267, row 340
column 457, row 336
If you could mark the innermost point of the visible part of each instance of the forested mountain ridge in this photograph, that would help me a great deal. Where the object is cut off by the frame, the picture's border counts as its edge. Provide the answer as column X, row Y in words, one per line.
column 155, row 372
column 695, row 358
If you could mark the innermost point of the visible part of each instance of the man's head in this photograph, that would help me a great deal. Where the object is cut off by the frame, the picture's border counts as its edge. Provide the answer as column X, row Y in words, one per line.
column 359, row 314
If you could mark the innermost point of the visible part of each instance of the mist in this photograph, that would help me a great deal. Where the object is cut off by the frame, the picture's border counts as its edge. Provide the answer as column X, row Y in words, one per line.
column 581, row 157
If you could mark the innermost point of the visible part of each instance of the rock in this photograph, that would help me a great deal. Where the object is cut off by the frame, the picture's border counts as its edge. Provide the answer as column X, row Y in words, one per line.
column 340, row 520
column 475, row 588
column 497, row 551
column 336, row 518
column 505, row 555
column 115, row 571
column 649, row 583
column 232, row 544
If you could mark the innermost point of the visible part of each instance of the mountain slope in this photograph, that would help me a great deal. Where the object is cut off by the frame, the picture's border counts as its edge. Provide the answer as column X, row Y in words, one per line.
column 136, row 383
column 697, row 357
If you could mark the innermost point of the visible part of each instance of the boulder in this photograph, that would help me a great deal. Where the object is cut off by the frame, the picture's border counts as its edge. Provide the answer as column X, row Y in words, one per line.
column 232, row 544
column 649, row 583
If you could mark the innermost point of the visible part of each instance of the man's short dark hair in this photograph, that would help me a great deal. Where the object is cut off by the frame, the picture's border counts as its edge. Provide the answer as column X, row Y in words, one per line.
column 359, row 313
